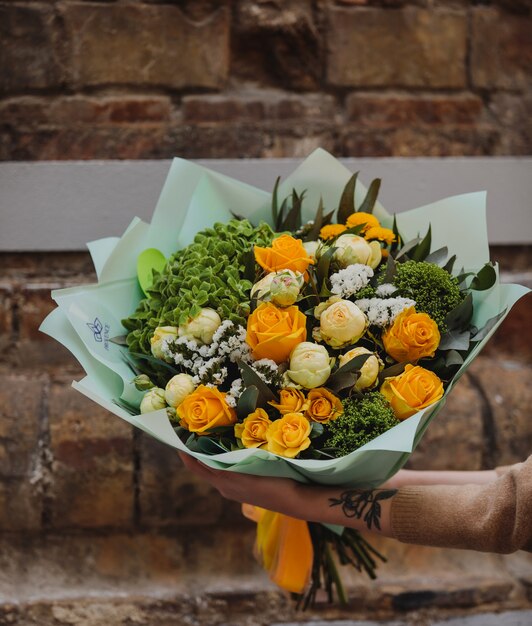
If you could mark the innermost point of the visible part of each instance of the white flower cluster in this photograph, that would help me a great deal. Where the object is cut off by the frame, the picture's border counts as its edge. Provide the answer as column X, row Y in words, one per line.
column 350, row 280
column 382, row 312
column 205, row 363
column 385, row 290
column 235, row 391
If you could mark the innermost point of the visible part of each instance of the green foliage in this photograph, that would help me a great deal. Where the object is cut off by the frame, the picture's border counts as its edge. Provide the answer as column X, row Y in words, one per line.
column 364, row 418
column 207, row 273
column 435, row 291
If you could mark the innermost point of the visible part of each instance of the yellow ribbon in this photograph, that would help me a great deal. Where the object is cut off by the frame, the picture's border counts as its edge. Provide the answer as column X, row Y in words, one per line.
column 283, row 547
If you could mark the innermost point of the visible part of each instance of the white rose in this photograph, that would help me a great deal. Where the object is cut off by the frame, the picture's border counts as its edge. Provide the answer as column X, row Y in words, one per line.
column 312, row 248
column 202, row 327
column 285, row 287
column 178, row 388
column 310, row 365
column 262, row 287
column 341, row 324
column 376, row 254
column 153, row 400
column 156, row 341
column 369, row 372
column 352, row 249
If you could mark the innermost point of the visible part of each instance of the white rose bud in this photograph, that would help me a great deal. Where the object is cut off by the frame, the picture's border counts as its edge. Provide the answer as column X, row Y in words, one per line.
column 178, row 388
column 262, row 287
column 161, row 333
column 352, row 249
column 310, row 365
column 153, row 400
column 202, row 327
column 376, row 254
column 369, row 372
column 341, row 324
column 285, row 287
column 311, row 248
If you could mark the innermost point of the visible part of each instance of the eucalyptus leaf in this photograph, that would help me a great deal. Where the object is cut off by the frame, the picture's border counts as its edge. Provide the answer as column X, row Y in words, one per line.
column 353, row 365
column 485, row 278
column 461, row 315
column 453, row 358
column 247, row 403
column 339, row 382
column 251, row 378
column 314, row 232
column 486, row 329
column 448, row 267
column 322, row 269
column 455, row 340
column 438, row 256
column 347, row 200
column 275, row 201
column 207, row 445
column 155, row 361
column 316, row 430
column 390, row 269
column 409, row 245
column 393, row 370
column 120, row 340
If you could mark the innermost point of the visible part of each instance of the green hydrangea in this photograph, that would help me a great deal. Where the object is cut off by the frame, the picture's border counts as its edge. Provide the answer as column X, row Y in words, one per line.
column 364, row 418
column 207, row 273
column 435, row 291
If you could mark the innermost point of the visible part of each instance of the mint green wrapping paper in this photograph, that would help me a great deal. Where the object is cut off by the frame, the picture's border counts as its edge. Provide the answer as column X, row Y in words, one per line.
column 192, row 199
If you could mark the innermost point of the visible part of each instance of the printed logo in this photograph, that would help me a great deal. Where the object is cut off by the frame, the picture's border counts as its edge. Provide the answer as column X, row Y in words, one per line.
column 96, row 328
column 100, row 332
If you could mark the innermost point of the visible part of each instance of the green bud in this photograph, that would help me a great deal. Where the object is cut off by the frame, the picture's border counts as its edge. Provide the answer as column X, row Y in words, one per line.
column 143, row 383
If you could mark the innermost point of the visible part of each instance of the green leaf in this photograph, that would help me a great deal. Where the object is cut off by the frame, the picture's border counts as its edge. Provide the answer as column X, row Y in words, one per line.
column 322, row 270
column 275, row 207
column 342, row 381
column 210, row 446
column 280, row 217
column 368, row 204
column 132, row 410
column 251, row 378
column 390, row 269
column 461, row 315
column 293, row 219
column 422, row 250
column 318, row 222
column 453, row 358
column 393, row 370
column 485, row 279
column 248, row 260
column 152, row 359
column 448, row 267
column 247, row 403
column 353, row 365
column 120, row 340
column 486, row 329
column 347, row 200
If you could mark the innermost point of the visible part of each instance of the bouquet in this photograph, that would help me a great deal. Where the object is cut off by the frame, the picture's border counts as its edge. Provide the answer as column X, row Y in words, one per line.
column 304, row 333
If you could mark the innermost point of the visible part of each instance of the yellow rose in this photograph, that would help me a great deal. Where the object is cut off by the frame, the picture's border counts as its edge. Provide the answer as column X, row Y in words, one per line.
column 252, row 431
column 369, row 372
column 273, row 333
column 332, row 230
column 286, row 253
column 203, row 409
column 291, row 401
column 324, row 406
column 289, row 435
column 411, row 391
column 411, row 336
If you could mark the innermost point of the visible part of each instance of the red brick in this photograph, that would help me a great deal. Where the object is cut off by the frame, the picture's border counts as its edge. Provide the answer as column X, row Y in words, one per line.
column 411, row 47
column 30, row 54
column 6, row 316
column 111, row 110
column 256, row 106
column 92, row 470
column 501, row 54
column 383, row 110
column 170, row 495
column 146, row 45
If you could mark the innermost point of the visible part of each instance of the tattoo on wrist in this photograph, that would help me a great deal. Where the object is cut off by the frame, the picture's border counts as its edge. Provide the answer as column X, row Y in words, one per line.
column 363, row 505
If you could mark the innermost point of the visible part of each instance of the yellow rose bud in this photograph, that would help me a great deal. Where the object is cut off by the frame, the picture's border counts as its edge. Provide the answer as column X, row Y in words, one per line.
column 324, row 406
column 289, row 435
column 411, row 336
column 273, row 333
column 310, row 365
column 291, row 401
column 341, row 323
column 411, row 391
column 369, row 372
column 203, row 409
column 160, row 334
column 178, row 388
column 252, row 431
column 153, row 400
column 202, row 327
column 352, row 249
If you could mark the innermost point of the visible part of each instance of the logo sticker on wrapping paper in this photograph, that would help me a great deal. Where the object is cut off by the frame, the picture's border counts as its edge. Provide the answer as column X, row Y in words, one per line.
column 100, row 332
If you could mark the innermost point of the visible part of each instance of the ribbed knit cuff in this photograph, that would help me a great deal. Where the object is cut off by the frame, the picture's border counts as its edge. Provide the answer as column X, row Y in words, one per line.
column 404, row 514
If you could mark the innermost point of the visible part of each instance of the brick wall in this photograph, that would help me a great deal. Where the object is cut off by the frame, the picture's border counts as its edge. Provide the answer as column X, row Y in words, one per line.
column 146, row 79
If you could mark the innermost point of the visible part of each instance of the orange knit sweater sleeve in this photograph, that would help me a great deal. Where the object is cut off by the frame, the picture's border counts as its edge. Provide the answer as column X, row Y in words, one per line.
column 495, row 517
